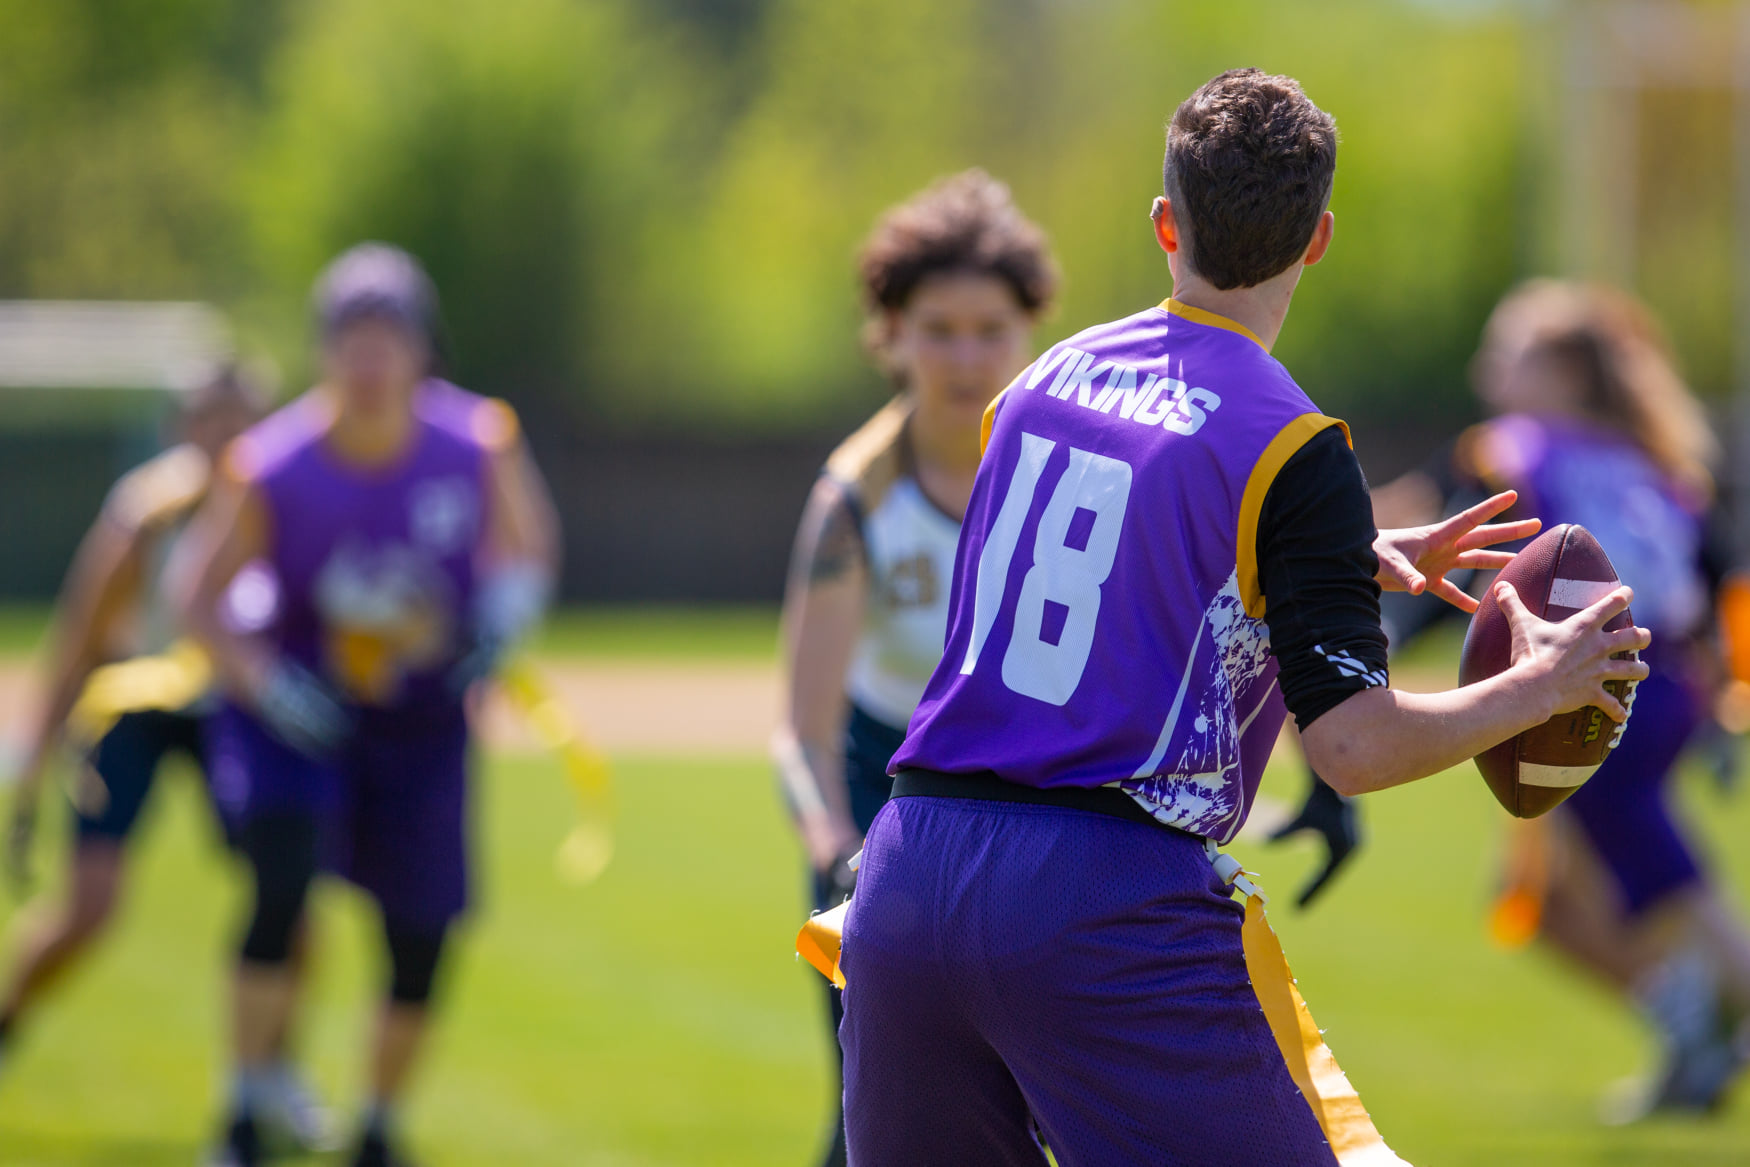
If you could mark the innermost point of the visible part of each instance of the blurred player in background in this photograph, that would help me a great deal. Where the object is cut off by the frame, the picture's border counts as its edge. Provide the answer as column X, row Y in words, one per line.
column 413, row 542
column 1594, row 426
column 953, row 281
column 113, row 607
column 1167, row 549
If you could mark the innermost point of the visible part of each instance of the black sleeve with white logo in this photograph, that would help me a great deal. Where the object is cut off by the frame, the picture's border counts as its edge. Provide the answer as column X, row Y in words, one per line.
column 1316, row 567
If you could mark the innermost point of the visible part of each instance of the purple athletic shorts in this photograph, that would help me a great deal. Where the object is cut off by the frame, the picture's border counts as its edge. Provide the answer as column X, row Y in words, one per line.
column 1013, row 967
column 1623, row 809
column 392, row 807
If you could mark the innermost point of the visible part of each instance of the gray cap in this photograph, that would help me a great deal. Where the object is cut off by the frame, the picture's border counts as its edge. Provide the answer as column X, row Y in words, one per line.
column 376, row 280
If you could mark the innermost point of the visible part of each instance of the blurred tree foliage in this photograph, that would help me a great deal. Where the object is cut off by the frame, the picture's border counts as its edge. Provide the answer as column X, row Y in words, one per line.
column 645, row 213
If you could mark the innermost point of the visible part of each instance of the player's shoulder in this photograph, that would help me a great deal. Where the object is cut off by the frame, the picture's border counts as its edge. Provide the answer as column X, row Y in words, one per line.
column 488, row 422
column 278, row 440
column 873, row 459
column 163, row 491
column 1503, row 451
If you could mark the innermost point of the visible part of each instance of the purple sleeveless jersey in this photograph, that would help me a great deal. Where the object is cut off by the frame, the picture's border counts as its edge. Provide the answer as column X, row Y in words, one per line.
column 1106, row 623
column 376, row 567
column 1568, row 471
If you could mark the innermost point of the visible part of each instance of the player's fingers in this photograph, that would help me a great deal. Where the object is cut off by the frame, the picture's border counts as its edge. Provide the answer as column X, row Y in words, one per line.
column 1512, row 607
column 1626, row 670
column 1292, row 827
column 1453, row 594
column 1396, row 573
column 1483, row 560
column 1319, row 882
column 1629, row 639
column 1482, row 512
column 1613, row 709
column 1606, row 609
column 1493, row 533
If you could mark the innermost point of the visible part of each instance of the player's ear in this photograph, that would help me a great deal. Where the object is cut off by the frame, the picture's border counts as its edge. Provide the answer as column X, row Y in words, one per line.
column 1166, row 226
column 1321, row 239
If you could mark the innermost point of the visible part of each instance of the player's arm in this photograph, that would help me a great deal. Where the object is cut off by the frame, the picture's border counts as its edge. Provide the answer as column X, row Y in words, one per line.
column 520, row 562
column 227, row 532
column 1386, row 737
column 823, row 614
column 102, row 583
column 523, row 522
column 230, row 530
column 1316, row 567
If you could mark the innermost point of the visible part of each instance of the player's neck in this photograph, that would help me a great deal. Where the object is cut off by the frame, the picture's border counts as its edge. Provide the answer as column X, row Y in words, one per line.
column 945, row 462
column 944, row 447
column 1261, row 308
column 370, row 439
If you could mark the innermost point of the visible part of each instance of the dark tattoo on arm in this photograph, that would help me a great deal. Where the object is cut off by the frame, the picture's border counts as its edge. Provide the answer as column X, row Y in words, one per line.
column 838, row 542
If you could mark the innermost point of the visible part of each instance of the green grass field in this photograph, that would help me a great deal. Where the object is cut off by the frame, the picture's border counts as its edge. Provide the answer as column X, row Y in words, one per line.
column 658, row 1016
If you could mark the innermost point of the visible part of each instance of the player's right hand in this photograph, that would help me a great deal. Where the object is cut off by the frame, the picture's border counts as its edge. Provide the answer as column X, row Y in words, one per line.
column 1567, row 664
column 301, row 711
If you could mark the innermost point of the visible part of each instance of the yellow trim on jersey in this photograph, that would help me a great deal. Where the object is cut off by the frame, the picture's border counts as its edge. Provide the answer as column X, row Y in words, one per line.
column 989, row 422
column 163, row 491
column 1203, row 316
column 1282, row 447
column 495, row 425
column 873, row 458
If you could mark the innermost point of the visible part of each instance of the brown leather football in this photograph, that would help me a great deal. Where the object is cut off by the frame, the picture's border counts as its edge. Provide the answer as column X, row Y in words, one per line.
column 1559, row 573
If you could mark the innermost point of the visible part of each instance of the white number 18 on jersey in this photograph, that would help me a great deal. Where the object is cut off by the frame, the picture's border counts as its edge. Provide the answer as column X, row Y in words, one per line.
column 1062, row 574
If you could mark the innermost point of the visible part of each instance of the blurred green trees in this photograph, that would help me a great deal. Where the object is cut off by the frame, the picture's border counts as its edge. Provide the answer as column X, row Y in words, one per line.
column 645, row 213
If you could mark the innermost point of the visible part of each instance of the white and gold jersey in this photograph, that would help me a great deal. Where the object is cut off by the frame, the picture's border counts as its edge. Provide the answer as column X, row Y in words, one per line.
column 155, row 501
column 909, row 546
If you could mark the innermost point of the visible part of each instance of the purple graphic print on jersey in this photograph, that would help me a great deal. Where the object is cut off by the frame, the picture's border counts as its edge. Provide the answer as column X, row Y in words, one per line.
column 1106, row 624
column 375, row 566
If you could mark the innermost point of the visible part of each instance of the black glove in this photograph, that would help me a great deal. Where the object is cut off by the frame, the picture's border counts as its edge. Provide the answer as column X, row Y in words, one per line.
column 836, row 884
column 1332, row 816
column 478, row 661
column 303, row 712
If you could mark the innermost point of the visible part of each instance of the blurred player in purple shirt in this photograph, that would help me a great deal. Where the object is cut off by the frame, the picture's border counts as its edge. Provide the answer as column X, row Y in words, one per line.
column 1168, row 549
column 412, row 542
column 1595, row 426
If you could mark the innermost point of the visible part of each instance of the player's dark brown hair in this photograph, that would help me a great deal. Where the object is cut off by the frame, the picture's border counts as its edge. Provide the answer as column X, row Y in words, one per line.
column 1248, row 169
column 227, row 385
column 1621, row 364
column 967, row 222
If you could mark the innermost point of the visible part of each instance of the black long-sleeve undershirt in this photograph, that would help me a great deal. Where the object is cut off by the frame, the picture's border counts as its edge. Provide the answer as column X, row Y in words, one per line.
column 1316, row 566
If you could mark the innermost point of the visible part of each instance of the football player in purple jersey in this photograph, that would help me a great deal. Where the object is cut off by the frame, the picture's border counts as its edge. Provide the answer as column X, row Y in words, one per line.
column 1168, row 549
column 413, row 543
column 1595, row 426
column 953, row 280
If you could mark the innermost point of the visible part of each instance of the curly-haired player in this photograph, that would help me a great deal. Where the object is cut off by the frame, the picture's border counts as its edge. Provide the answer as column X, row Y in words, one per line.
column 953, row 281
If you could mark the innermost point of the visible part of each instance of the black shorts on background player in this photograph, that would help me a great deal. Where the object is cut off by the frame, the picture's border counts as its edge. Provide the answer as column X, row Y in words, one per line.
column 127, row 760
